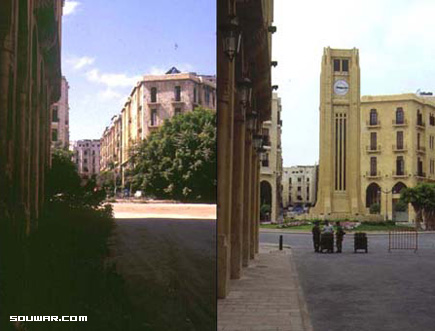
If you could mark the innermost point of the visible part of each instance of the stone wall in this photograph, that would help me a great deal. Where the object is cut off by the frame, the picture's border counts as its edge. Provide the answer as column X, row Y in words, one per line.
column 30, row 77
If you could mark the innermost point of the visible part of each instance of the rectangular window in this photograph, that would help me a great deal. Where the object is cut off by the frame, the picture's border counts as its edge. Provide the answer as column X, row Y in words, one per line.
column 177, row 111
column 177, row 93
column 54, row 135
column 55, row 114
column 153, row 94
column 400, row 166
column 373, row 166
column 345, row 65
column 153, row 117
column 373, row 141
column 336, row 65
column 195, row 97
column 399, row 139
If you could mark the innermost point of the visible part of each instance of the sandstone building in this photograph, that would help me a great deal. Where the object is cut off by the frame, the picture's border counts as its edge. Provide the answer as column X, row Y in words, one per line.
column 370, row 147
column 271, row 162
column 153, row 99
column 30, row 81
column 299, row 186
column 397, row 147
column 60, row 118
column 86, row 156
column 244, row 102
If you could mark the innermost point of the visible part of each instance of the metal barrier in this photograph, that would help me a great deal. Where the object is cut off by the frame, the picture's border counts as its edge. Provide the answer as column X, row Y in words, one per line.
column 403, row 239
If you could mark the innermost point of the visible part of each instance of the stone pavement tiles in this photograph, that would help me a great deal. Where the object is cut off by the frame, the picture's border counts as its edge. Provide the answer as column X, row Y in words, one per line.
column 266, row 297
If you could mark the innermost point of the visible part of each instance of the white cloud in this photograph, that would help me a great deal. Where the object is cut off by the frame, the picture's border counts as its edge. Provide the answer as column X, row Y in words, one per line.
column 112, row 80
column 80, row 62
column 70, row 7
column 109, row 94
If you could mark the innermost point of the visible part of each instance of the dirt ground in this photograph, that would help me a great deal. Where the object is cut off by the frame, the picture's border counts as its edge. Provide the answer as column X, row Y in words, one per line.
column 164, row 210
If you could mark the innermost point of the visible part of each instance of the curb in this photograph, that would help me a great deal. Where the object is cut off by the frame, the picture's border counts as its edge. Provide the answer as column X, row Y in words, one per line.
column 305, row 315
column 369, row 233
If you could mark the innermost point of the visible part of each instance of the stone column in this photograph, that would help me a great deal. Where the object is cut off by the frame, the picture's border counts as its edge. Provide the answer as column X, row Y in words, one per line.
column 247, row 198
column 257, row 206
column 225, row 106
column 237, row 193
column 253, row 220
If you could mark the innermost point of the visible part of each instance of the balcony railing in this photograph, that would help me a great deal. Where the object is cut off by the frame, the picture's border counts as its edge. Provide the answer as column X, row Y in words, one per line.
column 373, row 124
column 421, row 149
column 399, row 174
column 420, row 124
column 373, row 174
column 421, row 174
column 373, row 148
column 399, row 148
column 404, row 122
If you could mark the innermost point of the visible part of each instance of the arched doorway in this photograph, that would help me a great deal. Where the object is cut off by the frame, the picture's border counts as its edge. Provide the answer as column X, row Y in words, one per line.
column 400, row 209
column 265, row 200
column 373, row 196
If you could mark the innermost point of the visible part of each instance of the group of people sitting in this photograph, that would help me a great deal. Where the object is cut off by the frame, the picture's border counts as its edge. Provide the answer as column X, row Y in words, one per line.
column 323, row 239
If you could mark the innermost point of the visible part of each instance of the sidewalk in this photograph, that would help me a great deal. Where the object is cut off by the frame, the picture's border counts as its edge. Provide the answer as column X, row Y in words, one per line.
column 267, row 297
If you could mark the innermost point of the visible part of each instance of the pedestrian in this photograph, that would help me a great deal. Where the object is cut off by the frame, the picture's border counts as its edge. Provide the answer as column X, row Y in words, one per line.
column 327, row 239
column 316, row 236
column 339, row 236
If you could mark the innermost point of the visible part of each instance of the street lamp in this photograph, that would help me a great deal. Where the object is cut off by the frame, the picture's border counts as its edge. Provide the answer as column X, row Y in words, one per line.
column 231, row 37
column 251, row 120
column 244, row 88
column 258, row 141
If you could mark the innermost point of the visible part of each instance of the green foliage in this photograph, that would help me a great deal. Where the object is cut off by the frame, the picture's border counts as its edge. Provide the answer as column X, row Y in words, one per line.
column 178, row 161
column 422, row 199
column 401, row 206
column 375, row 208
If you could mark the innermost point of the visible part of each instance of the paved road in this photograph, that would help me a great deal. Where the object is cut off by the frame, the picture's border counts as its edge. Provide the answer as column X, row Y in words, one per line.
column 366, row 292
column 170, row 271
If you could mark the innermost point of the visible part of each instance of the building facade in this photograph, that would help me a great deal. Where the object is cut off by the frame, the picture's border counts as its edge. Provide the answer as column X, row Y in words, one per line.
column 60, row 118
column 299, row 186
column 153, row 100
column 398, row 148
column 244, row 99
column 30, row 81
column 86, row 156
column 271, row 162
column 339, row 186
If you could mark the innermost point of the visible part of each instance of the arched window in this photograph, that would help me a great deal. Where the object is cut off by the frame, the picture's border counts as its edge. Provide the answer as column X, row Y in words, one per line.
column 398, row 188
column 373, row 117
column 400, row 117
column 373, row 195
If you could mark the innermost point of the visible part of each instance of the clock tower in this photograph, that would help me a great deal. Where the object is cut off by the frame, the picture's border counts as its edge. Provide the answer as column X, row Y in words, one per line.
column 338, row 193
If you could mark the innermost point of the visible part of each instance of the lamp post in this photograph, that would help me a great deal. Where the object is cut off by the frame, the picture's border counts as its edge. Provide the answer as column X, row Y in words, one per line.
column 386, row 202
column 244, row 88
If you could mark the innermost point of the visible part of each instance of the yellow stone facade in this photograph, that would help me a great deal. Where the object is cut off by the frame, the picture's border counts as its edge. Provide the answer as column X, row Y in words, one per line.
column 271, row 163
column 370, row 147
column 339, row 193
column 397, row 136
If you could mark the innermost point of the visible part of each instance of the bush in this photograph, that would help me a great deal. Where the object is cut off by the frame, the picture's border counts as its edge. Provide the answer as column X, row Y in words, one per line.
column 401, row 206
column 375, row 208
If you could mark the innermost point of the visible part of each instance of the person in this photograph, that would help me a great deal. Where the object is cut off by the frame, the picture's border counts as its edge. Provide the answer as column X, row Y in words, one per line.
column 327, row 240
column 339, row 237
column 316, row 236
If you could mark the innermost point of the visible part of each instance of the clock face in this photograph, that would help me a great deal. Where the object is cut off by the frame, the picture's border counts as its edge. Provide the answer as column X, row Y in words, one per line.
column 341, row 87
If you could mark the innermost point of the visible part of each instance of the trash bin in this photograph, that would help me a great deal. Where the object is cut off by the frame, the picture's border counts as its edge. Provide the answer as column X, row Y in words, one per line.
column 360, row 241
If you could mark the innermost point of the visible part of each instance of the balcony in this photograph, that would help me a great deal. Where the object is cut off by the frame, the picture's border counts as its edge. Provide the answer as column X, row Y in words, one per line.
column 420, row 125
column 153, row 103
column 400, row 174
column 402, row 123
column 421, row 150
column 399, row 148
column 420, row 174
column 152, row 126
column 177, row 101
column 373, row 175
column 373, row 125
column 373, row 149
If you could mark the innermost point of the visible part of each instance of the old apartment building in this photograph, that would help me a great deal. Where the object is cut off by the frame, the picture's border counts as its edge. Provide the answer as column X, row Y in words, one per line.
column 153, row 100
column 60, row 118
column 299, row 186
column 271, row 161
column 86, row 155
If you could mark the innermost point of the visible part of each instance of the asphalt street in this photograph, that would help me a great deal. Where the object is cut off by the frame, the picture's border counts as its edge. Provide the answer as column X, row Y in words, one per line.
column 169, row 266
column 366, row 292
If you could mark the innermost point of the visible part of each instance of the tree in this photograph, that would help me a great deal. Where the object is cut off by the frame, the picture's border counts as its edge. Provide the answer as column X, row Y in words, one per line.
column 422, row 199
column 178, row 161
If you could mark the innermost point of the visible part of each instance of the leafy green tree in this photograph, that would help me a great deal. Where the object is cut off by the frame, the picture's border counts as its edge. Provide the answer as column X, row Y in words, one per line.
column 422, row 199
column 178, row 161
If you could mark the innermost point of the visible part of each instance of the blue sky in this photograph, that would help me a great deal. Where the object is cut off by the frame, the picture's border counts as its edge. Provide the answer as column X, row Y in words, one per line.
column 107, row 45
column 397, row 55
